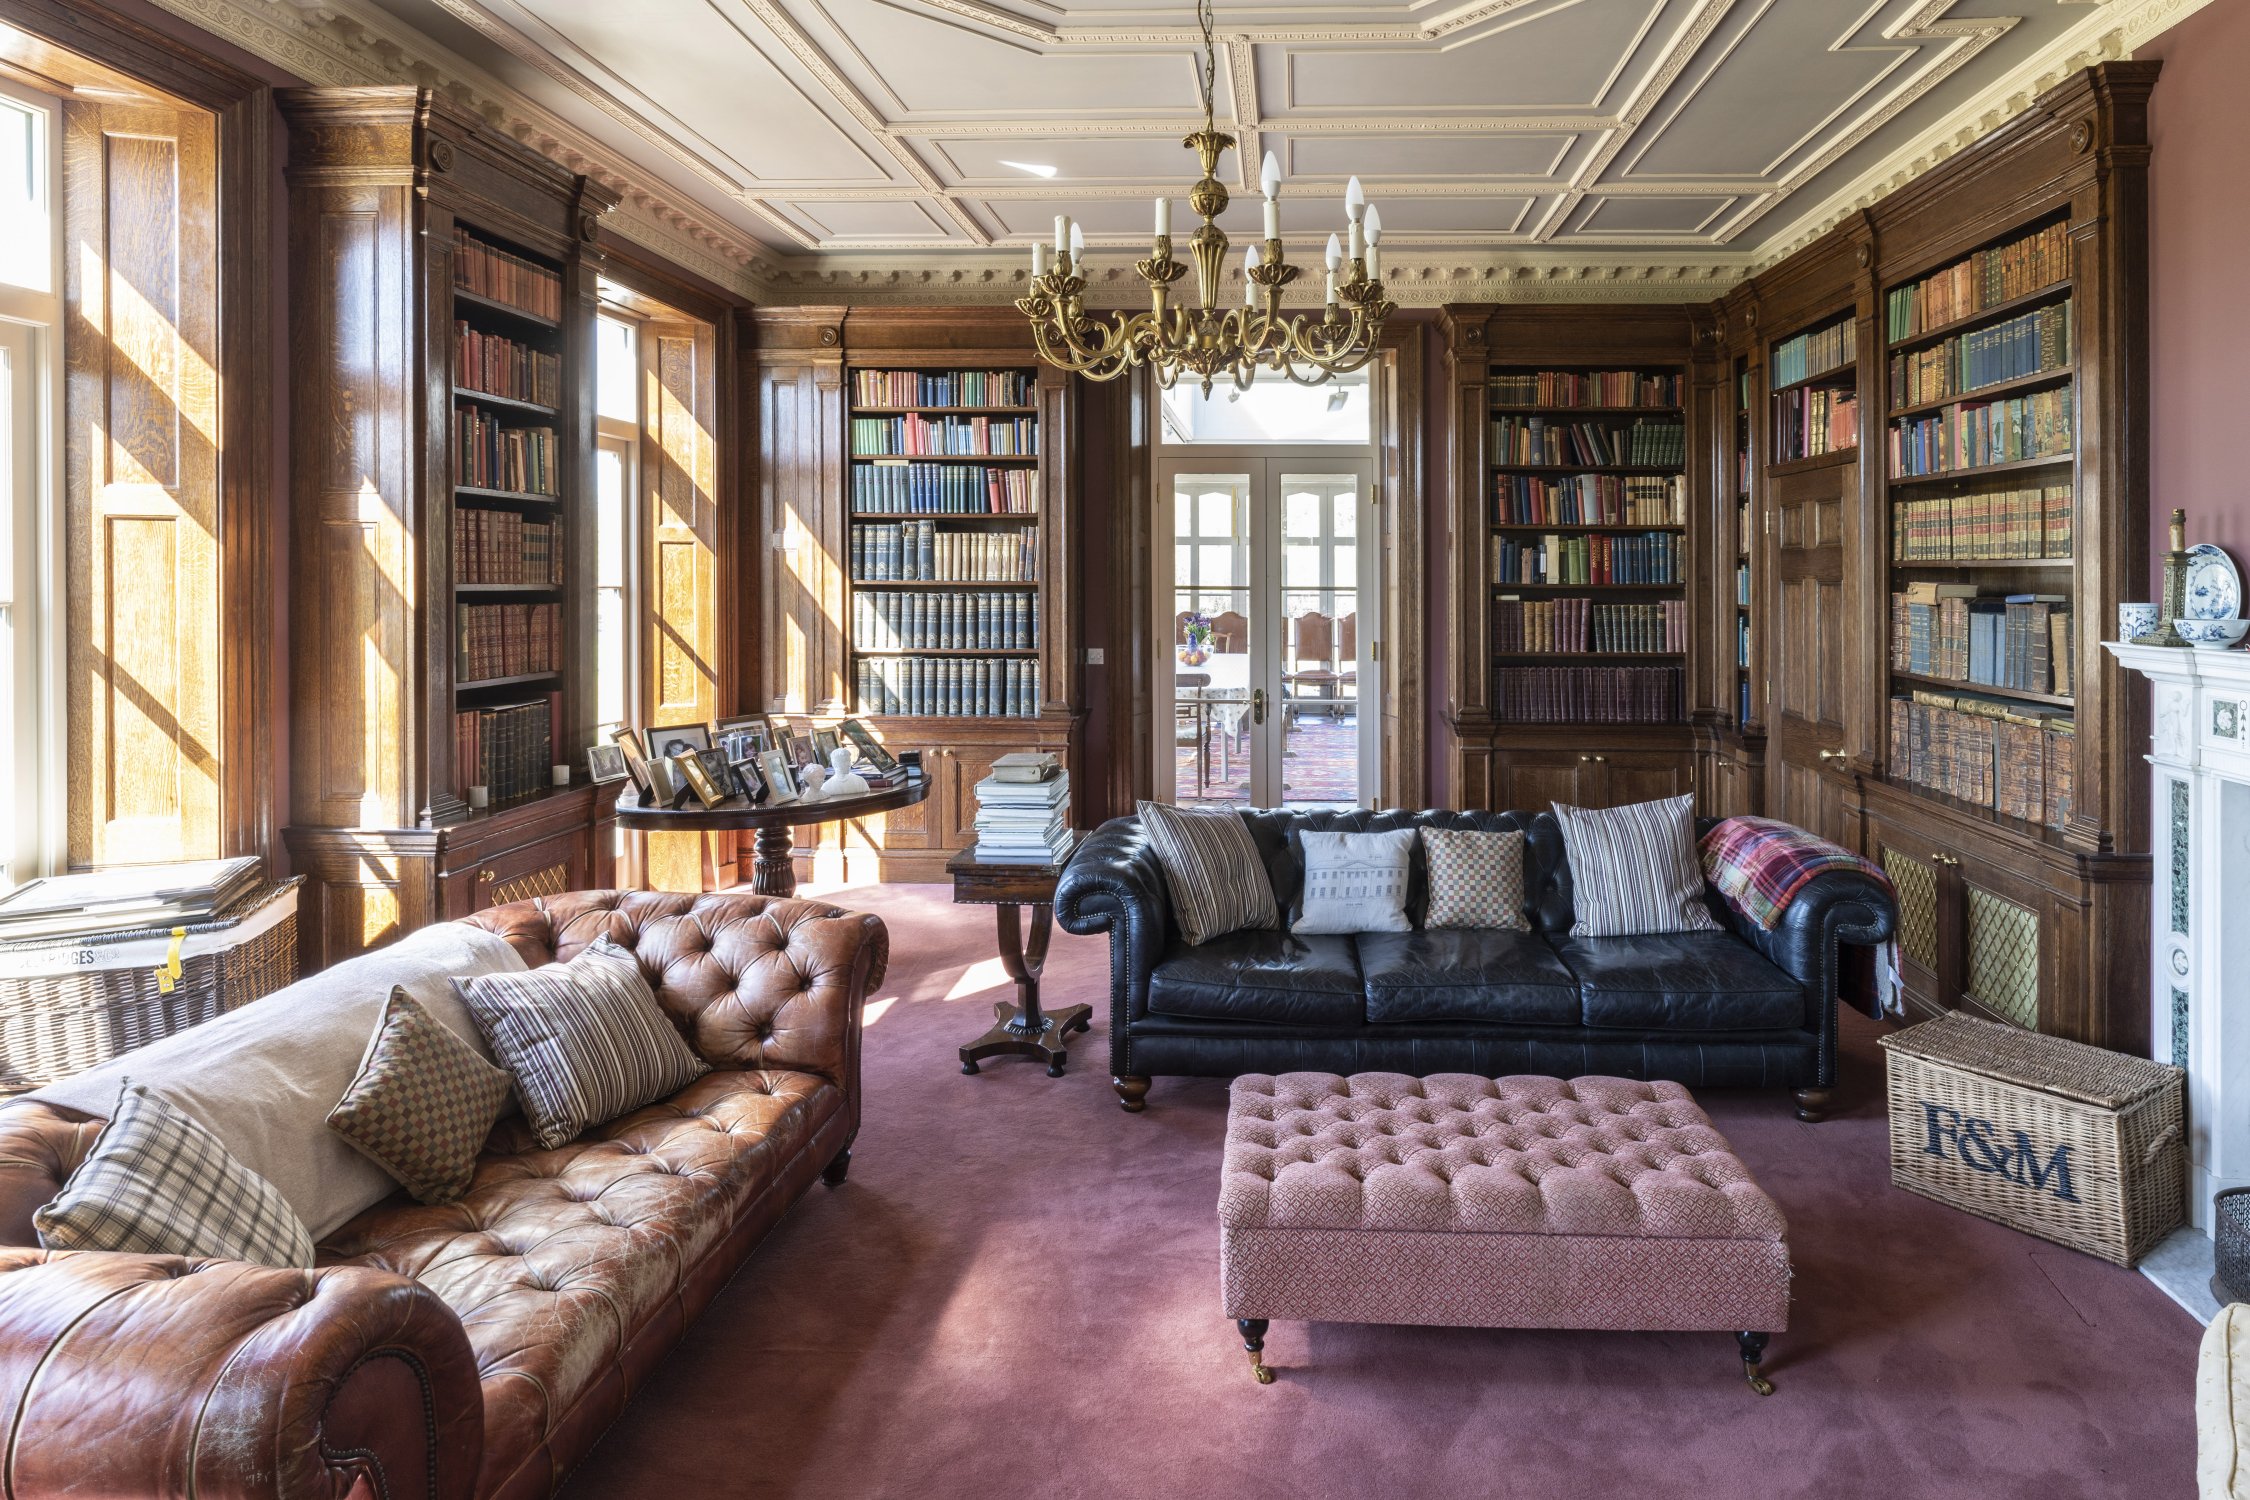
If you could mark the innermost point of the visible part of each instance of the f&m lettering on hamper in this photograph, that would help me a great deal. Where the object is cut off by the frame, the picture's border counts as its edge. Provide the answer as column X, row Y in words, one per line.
column 1977, row 1145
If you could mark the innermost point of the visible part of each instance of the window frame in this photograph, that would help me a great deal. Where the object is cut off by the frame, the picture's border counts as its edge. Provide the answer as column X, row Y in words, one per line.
column 623, row 437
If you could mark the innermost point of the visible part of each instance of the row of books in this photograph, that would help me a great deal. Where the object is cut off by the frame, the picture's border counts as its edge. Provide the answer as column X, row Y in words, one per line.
column 1021, row 816
column 1588, row 695
column 945, row 620
column 499, row 366
column 493, row 456
column 2015, row 759
column 2020, row 641
column 1649, row 557
column 509, row 751
column 490, row 271
column 916, row 551
column 948, row 686
column 943, row 387
column 894, row 487
column 1585, row 388
column 1982, row 432
column 1984, row 279
column 1742, row 583
column 2032, row 344
column 1582, row 625
column 1546, row 440
column 1742, row 528
column 911, row 435
column 500, row 546
column 1742, row 641
column 1816, row 353
column 1590, row 500
column 506, row 640
column 1812, row 420
column 1984, row 525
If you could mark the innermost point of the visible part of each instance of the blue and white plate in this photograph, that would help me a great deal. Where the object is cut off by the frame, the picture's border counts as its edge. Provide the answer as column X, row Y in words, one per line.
column 2214, row 588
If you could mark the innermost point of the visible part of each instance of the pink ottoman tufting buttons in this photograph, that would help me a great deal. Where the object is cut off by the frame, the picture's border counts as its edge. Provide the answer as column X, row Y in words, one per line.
column 1463, row 1201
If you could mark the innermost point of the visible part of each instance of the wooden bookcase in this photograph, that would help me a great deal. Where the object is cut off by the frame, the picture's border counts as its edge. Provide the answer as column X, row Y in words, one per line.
column 1516, row 744
column 396, row 197
column 804, row 371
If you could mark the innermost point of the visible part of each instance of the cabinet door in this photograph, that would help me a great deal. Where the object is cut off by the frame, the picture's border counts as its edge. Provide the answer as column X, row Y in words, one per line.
column 547, row 868
column 1528, row 780
column 1614, row 778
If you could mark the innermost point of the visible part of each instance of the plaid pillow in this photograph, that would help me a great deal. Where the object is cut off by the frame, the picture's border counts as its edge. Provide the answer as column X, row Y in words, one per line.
column 422, row 1104
column 1476, row 879
column 1211, row 868
column 157, row 1183
column 585, row 1040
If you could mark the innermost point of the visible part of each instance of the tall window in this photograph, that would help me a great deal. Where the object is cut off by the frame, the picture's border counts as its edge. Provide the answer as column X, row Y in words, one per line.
column 30, row 322
column 617, row 370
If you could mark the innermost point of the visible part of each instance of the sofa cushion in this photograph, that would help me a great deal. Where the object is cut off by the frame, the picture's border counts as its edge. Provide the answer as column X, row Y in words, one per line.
column 263, row 1078
column 1681, row 981
column 556, row 1260
column 1634, row 869
column 423, row 1102
column 1212, row 870
column 1466, row 974
column 1276, row 977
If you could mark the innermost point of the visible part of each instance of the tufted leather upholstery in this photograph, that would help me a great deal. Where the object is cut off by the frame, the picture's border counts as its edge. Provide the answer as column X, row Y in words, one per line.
column 1741, row 1008
column 478, row 1348
column 1510, row 1202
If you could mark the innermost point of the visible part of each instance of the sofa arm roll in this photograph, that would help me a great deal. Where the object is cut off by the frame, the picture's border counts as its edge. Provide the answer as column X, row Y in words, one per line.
column 160, row 1376
column 1834, row 908
column 1113, row 884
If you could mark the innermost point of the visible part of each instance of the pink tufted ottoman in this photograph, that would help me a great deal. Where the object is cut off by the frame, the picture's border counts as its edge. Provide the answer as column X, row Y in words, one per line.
column 1492, row 1203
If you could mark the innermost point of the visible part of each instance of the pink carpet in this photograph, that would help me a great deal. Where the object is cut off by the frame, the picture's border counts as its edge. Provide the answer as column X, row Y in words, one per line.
column 1016, row 1294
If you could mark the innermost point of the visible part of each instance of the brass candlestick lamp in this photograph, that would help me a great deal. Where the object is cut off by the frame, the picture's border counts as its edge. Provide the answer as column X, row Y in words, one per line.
column 2175, row 588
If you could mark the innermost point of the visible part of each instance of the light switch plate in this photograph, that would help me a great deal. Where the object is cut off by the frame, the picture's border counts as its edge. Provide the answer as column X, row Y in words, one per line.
column 1093, row 656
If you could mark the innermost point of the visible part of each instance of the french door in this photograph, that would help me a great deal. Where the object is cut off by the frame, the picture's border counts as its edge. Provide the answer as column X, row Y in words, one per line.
column 1266, row 632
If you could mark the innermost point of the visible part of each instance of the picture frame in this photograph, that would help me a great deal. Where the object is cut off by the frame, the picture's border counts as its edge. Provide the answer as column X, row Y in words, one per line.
column 779, row 731
column 669, row 740
column 715, row 766
column 606, row 763
column 864, row 742
column 628, row 743
column 824, row 744
column 801, row 751
column 698, row 779
column 749, row 777
column 781, row 778
column 753, row 725
column 665, row 787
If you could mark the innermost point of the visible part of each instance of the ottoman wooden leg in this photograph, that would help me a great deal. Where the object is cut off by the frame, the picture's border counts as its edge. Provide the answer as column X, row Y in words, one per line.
column 1753, row 1347
column 1254, row 1340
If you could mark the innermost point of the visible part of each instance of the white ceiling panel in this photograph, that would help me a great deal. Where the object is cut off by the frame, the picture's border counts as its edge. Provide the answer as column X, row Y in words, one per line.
column 807, row 126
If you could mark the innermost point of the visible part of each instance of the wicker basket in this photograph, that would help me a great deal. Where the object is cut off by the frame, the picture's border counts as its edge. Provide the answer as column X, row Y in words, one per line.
column 67, row 1006
column 2069, row 1142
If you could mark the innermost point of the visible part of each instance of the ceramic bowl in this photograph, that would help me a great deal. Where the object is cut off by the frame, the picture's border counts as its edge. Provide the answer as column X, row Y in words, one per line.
column 2212, row 635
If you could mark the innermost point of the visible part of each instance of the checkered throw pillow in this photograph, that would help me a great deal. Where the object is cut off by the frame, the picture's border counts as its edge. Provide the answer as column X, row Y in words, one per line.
column 1476, row 879
column 157, row 1183
column 422, row 1104
column 585, row 1040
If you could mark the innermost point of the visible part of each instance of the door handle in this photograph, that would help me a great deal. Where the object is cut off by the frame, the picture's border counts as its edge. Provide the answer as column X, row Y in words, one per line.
column 1601, row 759
column 1944, row 859
column 1258, row 706
column 1831, row 755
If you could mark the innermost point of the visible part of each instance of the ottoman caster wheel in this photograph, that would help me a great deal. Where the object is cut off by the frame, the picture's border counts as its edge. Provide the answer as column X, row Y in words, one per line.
column 1264, row 1375
column 1753, row 1346
column 1254, row 1339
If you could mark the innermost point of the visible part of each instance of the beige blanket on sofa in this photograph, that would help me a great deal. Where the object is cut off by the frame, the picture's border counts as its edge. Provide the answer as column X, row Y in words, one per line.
column 263, row 1078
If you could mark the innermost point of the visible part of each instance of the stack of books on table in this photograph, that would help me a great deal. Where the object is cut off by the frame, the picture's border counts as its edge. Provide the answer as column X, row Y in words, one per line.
column 1021, row 810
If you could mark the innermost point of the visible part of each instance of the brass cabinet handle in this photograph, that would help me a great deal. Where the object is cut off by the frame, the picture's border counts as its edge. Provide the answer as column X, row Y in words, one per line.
column 1944, row 859
column 484, row 877
column 1831, row 755
column 1603, row 759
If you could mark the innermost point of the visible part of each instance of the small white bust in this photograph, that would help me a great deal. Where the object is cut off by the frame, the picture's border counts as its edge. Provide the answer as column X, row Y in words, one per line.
column 843, row 781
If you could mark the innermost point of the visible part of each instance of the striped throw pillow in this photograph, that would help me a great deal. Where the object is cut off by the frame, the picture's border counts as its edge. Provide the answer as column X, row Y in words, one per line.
column 422, row 1104
column 1476, row 879
column 1212, row 869
column 157, row 1183
column 1634, row 869
column 585, row 1040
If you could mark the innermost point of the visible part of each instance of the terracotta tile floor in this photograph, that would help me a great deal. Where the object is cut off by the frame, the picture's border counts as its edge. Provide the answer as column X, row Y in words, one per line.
column 1320, row 763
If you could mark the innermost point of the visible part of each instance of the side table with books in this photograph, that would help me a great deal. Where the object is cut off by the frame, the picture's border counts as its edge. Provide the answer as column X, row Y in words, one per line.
column 1023, row 842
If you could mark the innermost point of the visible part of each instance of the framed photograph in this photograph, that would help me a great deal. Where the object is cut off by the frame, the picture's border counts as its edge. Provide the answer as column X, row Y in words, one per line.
column 781, row 780
column 664, row 784
column 824, row 744
column 874, row 754
column 800, row 750
column 628, row 742
column 606, row 763
column 749, row 777
column 733, row 744
column 669, row 740
column 715, row 766
column 778, row 731
column 698, row 779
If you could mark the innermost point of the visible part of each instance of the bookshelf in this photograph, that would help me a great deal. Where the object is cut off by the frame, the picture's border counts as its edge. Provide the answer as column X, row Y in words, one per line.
column 1742, row 458
column 442, row 630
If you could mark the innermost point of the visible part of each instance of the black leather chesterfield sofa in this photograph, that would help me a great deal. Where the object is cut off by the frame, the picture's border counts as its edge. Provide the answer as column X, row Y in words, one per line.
column 1739, row 1008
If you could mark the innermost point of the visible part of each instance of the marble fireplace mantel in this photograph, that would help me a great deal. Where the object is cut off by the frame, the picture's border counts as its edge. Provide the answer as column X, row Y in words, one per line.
column 2199, row 912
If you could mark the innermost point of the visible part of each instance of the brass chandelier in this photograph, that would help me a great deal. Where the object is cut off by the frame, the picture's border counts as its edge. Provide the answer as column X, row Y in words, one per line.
column 1206, row 341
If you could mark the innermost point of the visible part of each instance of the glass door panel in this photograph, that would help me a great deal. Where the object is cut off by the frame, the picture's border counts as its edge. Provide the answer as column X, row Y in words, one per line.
column 1211, row 638
column 1318, row 619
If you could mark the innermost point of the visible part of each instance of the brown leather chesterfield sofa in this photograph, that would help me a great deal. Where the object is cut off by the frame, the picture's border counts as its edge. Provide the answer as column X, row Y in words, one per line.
column 477, row 1349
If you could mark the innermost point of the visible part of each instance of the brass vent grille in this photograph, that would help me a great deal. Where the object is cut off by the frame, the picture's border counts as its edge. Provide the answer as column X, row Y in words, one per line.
column 2004, row 958
column 1917, row 906
column 552, row 881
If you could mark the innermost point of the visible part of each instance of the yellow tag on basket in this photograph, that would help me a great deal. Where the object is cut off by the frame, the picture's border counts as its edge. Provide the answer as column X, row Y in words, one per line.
column 168, row 972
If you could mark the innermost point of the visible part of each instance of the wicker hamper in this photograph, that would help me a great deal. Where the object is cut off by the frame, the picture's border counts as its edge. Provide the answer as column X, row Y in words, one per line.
column 70, row 1004
column 2069, row 1142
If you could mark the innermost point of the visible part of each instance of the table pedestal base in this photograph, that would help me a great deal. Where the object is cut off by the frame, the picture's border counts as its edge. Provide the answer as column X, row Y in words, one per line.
column 775, row 873
column 1044, row 1035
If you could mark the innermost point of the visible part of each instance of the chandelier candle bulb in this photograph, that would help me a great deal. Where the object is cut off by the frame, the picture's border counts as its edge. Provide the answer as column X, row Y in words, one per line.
column 1038, row 259
column 1163, row 218
column 1335, row 259
column 1355, row 201
column 1077, row 243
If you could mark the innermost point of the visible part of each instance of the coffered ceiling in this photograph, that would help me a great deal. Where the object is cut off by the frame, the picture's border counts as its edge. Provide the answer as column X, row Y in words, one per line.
column 838, row 141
